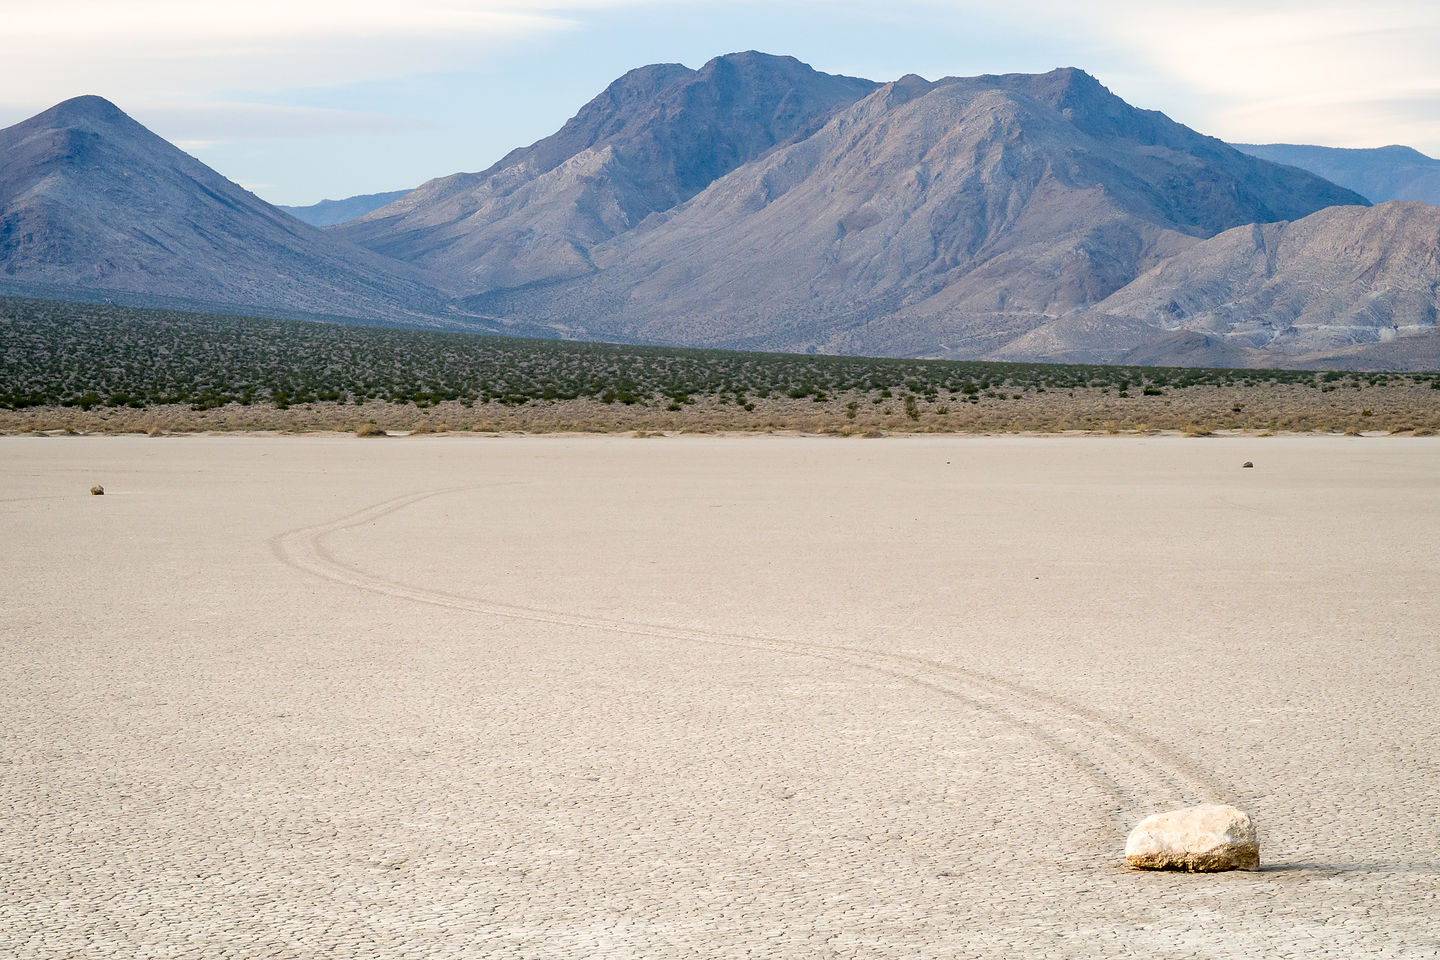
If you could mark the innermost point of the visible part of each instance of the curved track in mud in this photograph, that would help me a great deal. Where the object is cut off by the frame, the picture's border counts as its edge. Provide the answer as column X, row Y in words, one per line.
column 1135, row 770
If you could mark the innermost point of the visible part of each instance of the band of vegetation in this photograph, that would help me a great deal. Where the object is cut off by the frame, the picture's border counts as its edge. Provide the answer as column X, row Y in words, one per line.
column 103, row 367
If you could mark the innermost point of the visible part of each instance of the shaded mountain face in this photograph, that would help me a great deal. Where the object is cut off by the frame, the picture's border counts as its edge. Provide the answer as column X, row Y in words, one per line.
column 941, row 218
column 654, row 138
column 91, row 200
column 1380, row 174
column 327, row 213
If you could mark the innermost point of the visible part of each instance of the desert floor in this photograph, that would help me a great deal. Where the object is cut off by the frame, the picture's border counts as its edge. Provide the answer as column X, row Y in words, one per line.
column 714, row 697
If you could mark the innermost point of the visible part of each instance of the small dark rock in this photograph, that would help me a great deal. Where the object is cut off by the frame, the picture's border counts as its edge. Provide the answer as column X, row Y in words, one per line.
column 97, row 491
column 1246, row 465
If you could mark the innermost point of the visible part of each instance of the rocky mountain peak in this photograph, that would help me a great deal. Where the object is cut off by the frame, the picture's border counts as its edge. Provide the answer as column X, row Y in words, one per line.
column 88, row 110
column 905, row 89
column 1065, row 88
column 668, row 132
column 92, row 200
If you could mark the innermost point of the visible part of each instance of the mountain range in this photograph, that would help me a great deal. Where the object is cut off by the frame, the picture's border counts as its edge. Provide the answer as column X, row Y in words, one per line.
column 327, row 213
column 1379, row 174
column 653, row 139
column 759, row 204
column 938, row 218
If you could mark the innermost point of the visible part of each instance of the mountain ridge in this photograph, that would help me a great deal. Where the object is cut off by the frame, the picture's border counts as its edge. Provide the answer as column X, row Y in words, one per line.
column 328, row 213
column 948, row 214
column 756, row 203
column 1379, row 174
column 653, row 138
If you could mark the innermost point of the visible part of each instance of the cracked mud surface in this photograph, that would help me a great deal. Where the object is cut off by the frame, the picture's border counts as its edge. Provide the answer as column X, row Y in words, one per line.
column 700, row 697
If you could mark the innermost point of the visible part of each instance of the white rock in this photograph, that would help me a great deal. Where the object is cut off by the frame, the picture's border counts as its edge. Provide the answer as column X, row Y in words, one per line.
column 1200, row 839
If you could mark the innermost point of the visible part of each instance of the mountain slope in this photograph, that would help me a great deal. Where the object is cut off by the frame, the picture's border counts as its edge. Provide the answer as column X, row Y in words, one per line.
column 91, row 200
column 327, row 213
column 1380, row 174
column 652, row 139
column 942, row 218
column 1341, row 281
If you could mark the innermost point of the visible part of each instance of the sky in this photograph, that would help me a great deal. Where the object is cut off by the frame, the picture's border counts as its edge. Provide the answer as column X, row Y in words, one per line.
column 300, row 100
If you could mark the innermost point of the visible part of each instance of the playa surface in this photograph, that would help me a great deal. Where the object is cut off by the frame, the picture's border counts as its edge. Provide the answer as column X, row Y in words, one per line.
column 714, row 697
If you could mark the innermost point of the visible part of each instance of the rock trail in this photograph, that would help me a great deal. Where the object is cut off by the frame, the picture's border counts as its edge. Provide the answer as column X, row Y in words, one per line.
column 1136, row 771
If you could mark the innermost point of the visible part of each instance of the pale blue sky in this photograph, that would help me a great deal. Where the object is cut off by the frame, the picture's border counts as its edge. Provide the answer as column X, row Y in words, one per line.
column 305, row 99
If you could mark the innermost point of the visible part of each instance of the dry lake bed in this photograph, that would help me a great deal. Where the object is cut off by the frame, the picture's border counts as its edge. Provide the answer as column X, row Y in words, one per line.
column 714, row 697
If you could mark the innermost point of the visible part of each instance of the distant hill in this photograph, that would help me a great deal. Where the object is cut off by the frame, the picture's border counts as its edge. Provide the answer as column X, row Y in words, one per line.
column 90, row 200
column 327, row 213
column 1380, row 174
column 944, row 218
column 654, row 138
column 1343, row 282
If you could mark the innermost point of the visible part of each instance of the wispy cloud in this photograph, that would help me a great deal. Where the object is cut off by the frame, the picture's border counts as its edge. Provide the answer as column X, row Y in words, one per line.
column 173, row 64
column 218, row 73
column 1297, row 71
column 1330, row 71
column 230, row 26
column 1338, row 73
column 1264, row 69
column 176, row 45
column 209, row 123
